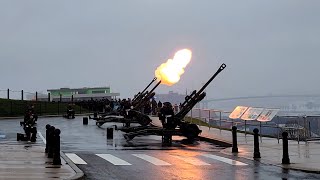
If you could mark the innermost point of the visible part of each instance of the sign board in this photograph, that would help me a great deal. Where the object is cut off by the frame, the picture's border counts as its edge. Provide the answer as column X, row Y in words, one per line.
column 238, row 112
column 267, row 115
column 252, row 114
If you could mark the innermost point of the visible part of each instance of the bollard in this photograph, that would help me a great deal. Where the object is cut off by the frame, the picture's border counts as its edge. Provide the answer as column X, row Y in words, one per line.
column 56, row 147
column 50, row 141
column 47, row 137
column 256, row 153
column 285, row 158
column 109, row 133
column 234, row 140
column 85, row 120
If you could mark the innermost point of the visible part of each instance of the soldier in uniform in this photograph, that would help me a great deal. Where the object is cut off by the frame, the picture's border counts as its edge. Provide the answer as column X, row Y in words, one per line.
column 166, row 115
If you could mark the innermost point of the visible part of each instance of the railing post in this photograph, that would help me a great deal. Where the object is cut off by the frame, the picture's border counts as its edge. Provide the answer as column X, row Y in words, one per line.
column 8, row 94
column 285, row 158
column 234, row 140
column 256, row 153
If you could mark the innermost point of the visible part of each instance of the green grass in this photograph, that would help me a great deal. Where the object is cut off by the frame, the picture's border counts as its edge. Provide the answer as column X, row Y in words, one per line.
column 14, row 108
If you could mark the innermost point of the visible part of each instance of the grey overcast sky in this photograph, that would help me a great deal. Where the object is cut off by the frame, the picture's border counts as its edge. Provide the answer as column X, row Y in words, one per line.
column 270, row 47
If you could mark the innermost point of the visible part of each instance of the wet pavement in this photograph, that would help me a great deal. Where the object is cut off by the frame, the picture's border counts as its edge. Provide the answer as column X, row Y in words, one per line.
column 87, row 138
column 303, row 156
column 144, row 157
column 28, row 161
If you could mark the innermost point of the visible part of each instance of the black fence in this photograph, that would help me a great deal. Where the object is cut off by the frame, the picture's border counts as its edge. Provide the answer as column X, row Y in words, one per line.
column 13, row 108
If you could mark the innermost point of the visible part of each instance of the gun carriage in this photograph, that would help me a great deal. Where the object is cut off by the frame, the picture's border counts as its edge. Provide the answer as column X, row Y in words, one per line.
column 131, row 113
column 174, row 124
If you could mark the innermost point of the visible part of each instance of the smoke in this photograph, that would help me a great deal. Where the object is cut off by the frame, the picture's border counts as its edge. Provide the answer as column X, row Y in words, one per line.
column 170, row 72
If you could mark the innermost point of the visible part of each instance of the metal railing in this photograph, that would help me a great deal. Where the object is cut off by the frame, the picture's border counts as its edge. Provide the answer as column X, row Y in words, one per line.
column 300, row 128
column 18, row 94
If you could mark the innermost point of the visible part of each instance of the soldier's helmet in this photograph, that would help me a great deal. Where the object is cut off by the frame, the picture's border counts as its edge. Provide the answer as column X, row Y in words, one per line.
column 167, row 104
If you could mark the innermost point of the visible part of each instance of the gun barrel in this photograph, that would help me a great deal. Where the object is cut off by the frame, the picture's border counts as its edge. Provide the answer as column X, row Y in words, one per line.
column 138, row 96
column 209, row 81
column 154, row 79
column 196, row 97
column 146, row 97
column 155, row 87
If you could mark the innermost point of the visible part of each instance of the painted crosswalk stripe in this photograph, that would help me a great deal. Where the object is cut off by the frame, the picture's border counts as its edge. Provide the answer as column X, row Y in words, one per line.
column 152, row 160
column 191, row 160
column 75, row 158
column 114, row 160
column 225, row 160
column 43, row 139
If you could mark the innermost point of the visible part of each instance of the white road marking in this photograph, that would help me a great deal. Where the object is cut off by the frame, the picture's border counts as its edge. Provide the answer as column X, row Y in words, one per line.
column 152, row 160
column 114, row 160
column 225, row 160
column 191, row 160
column 43, row 139
column 75, row 158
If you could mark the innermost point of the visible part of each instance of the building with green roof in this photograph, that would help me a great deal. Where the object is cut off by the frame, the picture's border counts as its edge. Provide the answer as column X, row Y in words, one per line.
column 78, row 94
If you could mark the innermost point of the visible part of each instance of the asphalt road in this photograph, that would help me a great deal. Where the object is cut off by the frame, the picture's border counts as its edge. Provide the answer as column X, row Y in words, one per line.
column 144, row 157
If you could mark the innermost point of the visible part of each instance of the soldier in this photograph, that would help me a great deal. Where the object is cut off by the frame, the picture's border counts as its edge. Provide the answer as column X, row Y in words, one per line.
column 154, row 106
column 30, row 115
column 159, row 106
column 176, row 108
column 70, row 111
column 166, row 115
column 147, row 108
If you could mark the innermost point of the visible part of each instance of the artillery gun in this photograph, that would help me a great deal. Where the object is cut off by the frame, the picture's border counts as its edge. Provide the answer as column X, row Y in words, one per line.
column 174, row 124
column 132, row 115
column 142, row 94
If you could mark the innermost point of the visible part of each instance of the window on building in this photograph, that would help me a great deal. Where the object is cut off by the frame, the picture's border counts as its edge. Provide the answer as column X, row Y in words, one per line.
column 98, row 92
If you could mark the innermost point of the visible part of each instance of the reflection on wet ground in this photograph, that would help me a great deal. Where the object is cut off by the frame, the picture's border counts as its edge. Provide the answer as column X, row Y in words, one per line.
column 78, row 137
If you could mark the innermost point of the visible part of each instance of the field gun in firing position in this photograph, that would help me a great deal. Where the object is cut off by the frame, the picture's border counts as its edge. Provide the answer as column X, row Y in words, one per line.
column 174, row 124
column 131, row 113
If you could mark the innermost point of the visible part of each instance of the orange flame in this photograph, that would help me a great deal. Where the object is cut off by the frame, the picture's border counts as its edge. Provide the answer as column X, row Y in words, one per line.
column 169, row 73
